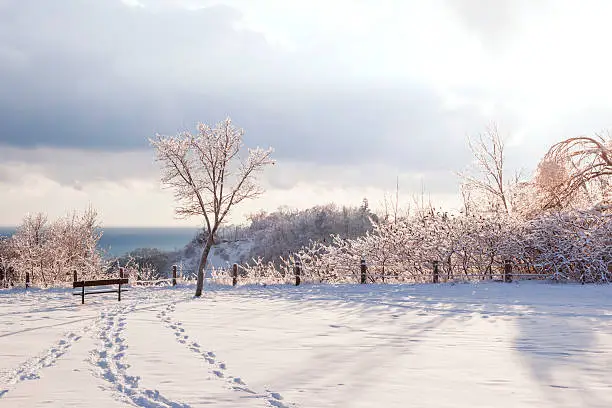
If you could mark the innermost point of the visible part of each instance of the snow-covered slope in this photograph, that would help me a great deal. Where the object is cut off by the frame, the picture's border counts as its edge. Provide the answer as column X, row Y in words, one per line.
column 222, row 255
column 467, row 345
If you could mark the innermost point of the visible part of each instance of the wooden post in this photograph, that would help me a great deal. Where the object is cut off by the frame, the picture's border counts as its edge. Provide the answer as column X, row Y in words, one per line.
column 173, row 275
column 297, row 270
column 74, row 275
column 364, row 269
column 234, row 274
column 27, row 280
column 119, row 290
column 83, row 295
column 436, row 272
column 507, row 271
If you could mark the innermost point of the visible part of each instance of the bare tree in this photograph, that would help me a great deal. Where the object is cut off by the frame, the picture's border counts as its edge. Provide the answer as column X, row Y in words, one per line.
column 489, row 153
column 390, row 205
column 574, row 165
column 209, row 176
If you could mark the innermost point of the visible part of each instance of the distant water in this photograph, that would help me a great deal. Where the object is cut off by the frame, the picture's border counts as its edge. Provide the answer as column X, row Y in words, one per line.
column 6, row 232
column 119, row 241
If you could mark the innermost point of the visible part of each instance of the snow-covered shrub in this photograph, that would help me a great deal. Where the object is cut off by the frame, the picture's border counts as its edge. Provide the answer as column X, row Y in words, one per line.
column 571, row 245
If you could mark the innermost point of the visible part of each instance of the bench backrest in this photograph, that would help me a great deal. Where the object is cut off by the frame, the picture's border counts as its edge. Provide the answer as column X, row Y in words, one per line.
column 100, row 282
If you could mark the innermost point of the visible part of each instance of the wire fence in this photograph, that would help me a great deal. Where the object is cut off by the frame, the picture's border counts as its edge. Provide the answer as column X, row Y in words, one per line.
column 373, row 274
column 361, row 273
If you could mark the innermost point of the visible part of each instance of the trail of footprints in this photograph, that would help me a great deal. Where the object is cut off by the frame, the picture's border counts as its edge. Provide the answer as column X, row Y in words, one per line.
column 31, row 369
column 110, row 360
column 218, row 368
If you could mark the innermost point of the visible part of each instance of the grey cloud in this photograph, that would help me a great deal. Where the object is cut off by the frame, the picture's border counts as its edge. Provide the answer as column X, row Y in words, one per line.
column 105, row 76
column 406, row 127
column 75, row 168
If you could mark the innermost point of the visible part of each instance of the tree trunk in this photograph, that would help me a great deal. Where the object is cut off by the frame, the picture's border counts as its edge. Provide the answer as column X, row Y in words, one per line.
column 202, row 266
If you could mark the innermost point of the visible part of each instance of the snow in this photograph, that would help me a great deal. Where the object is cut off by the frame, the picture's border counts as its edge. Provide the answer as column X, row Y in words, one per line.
column 479, row 345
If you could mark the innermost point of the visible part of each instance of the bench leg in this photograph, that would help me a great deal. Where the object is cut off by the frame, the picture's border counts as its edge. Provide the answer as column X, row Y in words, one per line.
column 83, row 295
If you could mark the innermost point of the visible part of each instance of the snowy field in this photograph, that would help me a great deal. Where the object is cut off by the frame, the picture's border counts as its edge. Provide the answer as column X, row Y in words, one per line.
column 465, row 345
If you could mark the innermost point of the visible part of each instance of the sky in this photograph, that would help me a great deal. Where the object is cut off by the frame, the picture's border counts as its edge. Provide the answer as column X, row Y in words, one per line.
column 352, row 95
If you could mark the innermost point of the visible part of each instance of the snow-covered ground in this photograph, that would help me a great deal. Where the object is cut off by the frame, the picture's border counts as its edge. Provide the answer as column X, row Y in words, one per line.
column 466, row 345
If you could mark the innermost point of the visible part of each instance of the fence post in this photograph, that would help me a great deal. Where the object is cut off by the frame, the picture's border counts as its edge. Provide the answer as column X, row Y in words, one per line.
column 507, row 271
column 119, row 290
column 27, row 280
column 364, row 269
column 234, row 274
column 74, row 277
column 173, row 275
column 436, row 272
column 297, row 270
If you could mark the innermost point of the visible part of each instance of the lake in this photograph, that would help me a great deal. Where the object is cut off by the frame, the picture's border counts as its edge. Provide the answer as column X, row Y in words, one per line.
column 117, row 241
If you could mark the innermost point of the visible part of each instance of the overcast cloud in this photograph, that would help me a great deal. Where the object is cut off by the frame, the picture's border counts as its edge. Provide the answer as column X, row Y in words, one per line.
column 351, row 94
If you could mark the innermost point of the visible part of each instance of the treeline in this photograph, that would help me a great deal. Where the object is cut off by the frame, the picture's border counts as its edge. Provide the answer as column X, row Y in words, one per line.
column 285, row 231
column 573, row 245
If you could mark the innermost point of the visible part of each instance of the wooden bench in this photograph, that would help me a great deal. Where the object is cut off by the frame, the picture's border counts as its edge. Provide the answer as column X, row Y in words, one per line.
column 99, row 282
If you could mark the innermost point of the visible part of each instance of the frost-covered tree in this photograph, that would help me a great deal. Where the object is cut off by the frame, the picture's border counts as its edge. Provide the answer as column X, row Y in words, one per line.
column 73, row 245
column 489, row 176
column 7, row 262
column 577, row 169
column 210, row 175
column 51, row 250
column 31, row 242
